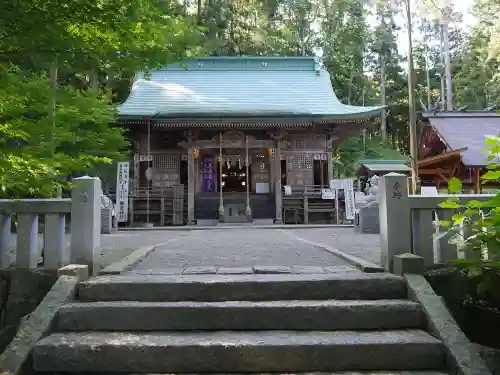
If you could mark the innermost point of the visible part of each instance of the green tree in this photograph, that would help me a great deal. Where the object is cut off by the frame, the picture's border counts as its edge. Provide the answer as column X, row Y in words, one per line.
column 35, row 156
column 346, row 158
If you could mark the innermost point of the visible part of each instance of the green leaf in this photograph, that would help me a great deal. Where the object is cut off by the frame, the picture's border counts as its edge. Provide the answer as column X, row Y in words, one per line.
column 454, row 186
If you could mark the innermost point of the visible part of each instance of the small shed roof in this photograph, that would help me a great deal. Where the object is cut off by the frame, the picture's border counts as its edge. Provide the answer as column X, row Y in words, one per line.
column 385, row 165
column 252, row 86
column 459, row 130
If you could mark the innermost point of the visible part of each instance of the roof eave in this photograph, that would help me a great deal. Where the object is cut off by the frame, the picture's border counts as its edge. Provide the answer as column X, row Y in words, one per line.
column 366, row 115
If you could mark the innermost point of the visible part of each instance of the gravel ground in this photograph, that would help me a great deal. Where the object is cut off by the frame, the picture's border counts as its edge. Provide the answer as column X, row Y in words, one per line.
column 365, row 246
column 236, row 248
column 117, row 245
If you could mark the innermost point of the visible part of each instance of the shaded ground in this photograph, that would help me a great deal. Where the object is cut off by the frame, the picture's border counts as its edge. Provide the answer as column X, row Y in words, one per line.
column 235, row 248
column 365, row 246
column 117, row 245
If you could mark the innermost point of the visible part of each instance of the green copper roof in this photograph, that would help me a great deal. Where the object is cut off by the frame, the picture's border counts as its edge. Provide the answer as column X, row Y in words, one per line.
column 386, row 165
column 226, row 86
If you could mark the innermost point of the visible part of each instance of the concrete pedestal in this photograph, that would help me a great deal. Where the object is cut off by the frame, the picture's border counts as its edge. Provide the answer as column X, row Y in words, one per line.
column 367, row 220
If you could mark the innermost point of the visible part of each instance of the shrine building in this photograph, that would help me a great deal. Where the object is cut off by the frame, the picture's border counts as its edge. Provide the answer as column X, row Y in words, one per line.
column 216, row 139
column 452, row 145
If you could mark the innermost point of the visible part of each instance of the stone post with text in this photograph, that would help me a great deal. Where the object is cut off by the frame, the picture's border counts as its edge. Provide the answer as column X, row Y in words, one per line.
column 394, row 216
column 86, row 222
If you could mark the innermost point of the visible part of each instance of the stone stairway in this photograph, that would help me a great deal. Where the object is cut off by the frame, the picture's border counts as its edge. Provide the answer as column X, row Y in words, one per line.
column 347, row 321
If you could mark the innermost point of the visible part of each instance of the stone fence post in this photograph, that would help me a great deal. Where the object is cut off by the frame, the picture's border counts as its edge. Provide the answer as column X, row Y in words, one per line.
column 86, row 222
column 395, row 220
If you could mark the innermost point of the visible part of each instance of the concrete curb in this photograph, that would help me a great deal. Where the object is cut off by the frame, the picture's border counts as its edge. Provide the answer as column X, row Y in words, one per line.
column 16, row 359
column 463, row 357
column 226, row 226
column 357, row 262
column 129, row 261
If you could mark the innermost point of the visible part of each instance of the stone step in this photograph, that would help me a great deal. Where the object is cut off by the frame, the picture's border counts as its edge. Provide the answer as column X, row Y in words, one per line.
column 244, row 351
column 260, row 287
column 246, row 315
column 424, row 372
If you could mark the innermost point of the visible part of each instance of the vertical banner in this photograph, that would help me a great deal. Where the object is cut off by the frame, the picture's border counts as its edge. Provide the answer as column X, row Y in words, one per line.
column 350, row 204
column 122, row 182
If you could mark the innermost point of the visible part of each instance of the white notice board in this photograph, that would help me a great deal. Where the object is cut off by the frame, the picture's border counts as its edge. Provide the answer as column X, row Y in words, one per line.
column 122, row 181
column 327, row 194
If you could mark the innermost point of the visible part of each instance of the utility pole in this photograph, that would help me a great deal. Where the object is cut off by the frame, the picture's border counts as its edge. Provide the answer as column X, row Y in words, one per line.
column 442, row 100
column 411, row 104
column 428, row 76
column 445, row 15
column 383, row 117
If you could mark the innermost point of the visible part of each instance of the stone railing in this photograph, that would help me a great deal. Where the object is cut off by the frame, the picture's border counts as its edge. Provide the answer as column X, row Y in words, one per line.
column 84, row 208
column 410, row 223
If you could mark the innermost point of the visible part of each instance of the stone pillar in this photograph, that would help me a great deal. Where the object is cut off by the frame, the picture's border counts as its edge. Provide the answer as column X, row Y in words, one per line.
column 395, row 220
column 86, row 222
column 5, row 233
column 191, row 182
column 277, row 183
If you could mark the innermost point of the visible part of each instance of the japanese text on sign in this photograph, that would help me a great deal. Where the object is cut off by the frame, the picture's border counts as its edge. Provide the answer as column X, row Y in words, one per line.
column 122, row 182
column 350, row 204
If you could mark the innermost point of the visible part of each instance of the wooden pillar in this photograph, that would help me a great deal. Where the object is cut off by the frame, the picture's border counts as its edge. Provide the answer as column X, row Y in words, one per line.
column 329, row 155
column 191, row 182
column 271, row 172
column 248, row 210
column 277, row 183
column 477, row 181
column 221, row 199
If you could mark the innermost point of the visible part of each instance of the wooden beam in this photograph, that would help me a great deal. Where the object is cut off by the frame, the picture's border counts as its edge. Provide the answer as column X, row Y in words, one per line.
column 433, row 171
column 441, row 157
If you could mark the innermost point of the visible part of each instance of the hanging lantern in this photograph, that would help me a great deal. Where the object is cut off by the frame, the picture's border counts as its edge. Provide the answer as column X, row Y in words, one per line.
column 196, row 153
column 270, row 153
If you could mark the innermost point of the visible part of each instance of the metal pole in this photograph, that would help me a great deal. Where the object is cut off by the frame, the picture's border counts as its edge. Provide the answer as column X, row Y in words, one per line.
column 248, row 210
column 411, row 104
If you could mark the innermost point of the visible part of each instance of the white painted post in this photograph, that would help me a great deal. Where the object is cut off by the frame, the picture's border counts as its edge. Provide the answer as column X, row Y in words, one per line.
column 27, row 252
column 394, row 216
column 86, row 222
column 56, row 254
column 5, row 235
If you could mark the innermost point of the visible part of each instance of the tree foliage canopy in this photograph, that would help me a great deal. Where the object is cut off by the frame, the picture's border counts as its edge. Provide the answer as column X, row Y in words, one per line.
column 101, row 43
column 56, row 124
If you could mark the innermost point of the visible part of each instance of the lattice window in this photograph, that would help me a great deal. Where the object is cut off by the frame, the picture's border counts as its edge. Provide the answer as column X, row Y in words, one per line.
column 167, row 162
column 300, row 161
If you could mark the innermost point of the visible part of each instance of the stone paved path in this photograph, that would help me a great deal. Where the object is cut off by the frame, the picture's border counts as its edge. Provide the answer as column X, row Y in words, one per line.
column 234, row 248
column 117, row 245
column 365, row 246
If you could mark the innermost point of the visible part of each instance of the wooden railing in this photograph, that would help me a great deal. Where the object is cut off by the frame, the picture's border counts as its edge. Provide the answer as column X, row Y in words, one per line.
column 306, row 200
column 83, row 208
column 410, row 223
column 163, row 206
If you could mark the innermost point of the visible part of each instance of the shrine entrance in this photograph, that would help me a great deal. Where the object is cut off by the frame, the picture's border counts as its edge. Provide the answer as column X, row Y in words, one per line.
column 234, row 178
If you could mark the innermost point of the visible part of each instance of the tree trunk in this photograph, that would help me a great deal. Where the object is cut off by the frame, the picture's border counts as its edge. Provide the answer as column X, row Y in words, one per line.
column 383, row 117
